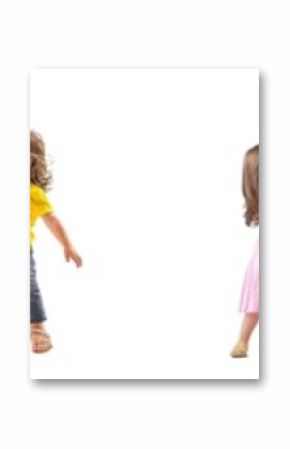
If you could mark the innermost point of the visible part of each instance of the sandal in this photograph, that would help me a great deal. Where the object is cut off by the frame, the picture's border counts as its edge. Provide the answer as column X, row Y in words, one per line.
column 40, row 340
column 240, row 350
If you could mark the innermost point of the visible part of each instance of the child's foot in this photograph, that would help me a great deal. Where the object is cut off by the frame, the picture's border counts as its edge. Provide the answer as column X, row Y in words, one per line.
column 39, row 338
column 240, row 350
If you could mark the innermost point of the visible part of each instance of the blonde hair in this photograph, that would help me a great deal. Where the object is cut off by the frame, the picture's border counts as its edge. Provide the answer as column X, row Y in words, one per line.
column 40, row 175
column 250, row 186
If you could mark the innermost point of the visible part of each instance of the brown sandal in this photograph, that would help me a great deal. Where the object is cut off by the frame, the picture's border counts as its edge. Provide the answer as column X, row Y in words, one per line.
column 40, row 340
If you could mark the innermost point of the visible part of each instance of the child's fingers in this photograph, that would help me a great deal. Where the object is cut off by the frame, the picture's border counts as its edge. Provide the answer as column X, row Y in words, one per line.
column 72, row 255
column 78, row 260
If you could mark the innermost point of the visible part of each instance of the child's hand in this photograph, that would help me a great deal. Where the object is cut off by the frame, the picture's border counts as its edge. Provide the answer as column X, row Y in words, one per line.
column 71, row 254
column 56, row 227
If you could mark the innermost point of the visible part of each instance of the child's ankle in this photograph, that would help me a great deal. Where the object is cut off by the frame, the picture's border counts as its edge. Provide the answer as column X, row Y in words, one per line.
column 37, row 325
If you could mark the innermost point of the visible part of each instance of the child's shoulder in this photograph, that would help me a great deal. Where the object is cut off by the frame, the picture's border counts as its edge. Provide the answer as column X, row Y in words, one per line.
column 37, row 193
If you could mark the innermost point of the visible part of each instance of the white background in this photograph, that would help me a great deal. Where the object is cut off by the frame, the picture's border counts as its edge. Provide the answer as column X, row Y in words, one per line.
column 148, row 179
column 145, row 414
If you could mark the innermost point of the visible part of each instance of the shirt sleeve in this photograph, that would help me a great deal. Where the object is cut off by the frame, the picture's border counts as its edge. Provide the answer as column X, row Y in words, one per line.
column 41, row 202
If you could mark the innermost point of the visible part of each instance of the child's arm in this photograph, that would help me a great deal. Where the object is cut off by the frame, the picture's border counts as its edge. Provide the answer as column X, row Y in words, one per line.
column 55, row 226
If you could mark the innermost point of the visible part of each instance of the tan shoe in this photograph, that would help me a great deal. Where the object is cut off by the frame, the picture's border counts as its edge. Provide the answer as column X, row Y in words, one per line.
column 240, row 350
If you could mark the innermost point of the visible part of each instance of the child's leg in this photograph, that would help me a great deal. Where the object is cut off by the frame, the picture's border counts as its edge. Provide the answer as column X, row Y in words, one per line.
column 40, row 339
column 37, row 312
column 248, row 325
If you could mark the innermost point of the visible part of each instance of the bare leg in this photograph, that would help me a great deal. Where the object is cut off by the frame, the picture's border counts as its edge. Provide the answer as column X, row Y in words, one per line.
column 248, row 325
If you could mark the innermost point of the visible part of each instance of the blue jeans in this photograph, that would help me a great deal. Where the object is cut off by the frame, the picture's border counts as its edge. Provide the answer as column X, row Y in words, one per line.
column 37, row 312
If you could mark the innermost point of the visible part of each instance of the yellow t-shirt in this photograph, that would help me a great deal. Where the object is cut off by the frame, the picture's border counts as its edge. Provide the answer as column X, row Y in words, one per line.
column 39, row 206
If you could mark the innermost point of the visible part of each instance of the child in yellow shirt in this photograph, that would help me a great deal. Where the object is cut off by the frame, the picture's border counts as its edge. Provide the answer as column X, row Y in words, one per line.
column 40, row 207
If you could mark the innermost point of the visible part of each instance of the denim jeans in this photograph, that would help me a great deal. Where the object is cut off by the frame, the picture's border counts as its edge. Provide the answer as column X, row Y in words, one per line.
column 37, row 312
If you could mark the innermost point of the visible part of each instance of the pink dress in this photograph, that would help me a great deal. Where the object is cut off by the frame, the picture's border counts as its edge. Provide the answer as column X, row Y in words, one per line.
column 250, row 292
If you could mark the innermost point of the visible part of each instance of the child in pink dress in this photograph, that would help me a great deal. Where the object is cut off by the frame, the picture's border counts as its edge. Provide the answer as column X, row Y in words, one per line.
column 249, row 303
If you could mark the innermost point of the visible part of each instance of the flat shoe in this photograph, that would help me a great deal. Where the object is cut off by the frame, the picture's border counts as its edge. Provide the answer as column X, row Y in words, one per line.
column 240, row 350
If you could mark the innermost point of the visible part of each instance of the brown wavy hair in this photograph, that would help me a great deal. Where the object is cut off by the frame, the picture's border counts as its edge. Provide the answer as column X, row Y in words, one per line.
column 250, row 186
column 40, row 174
